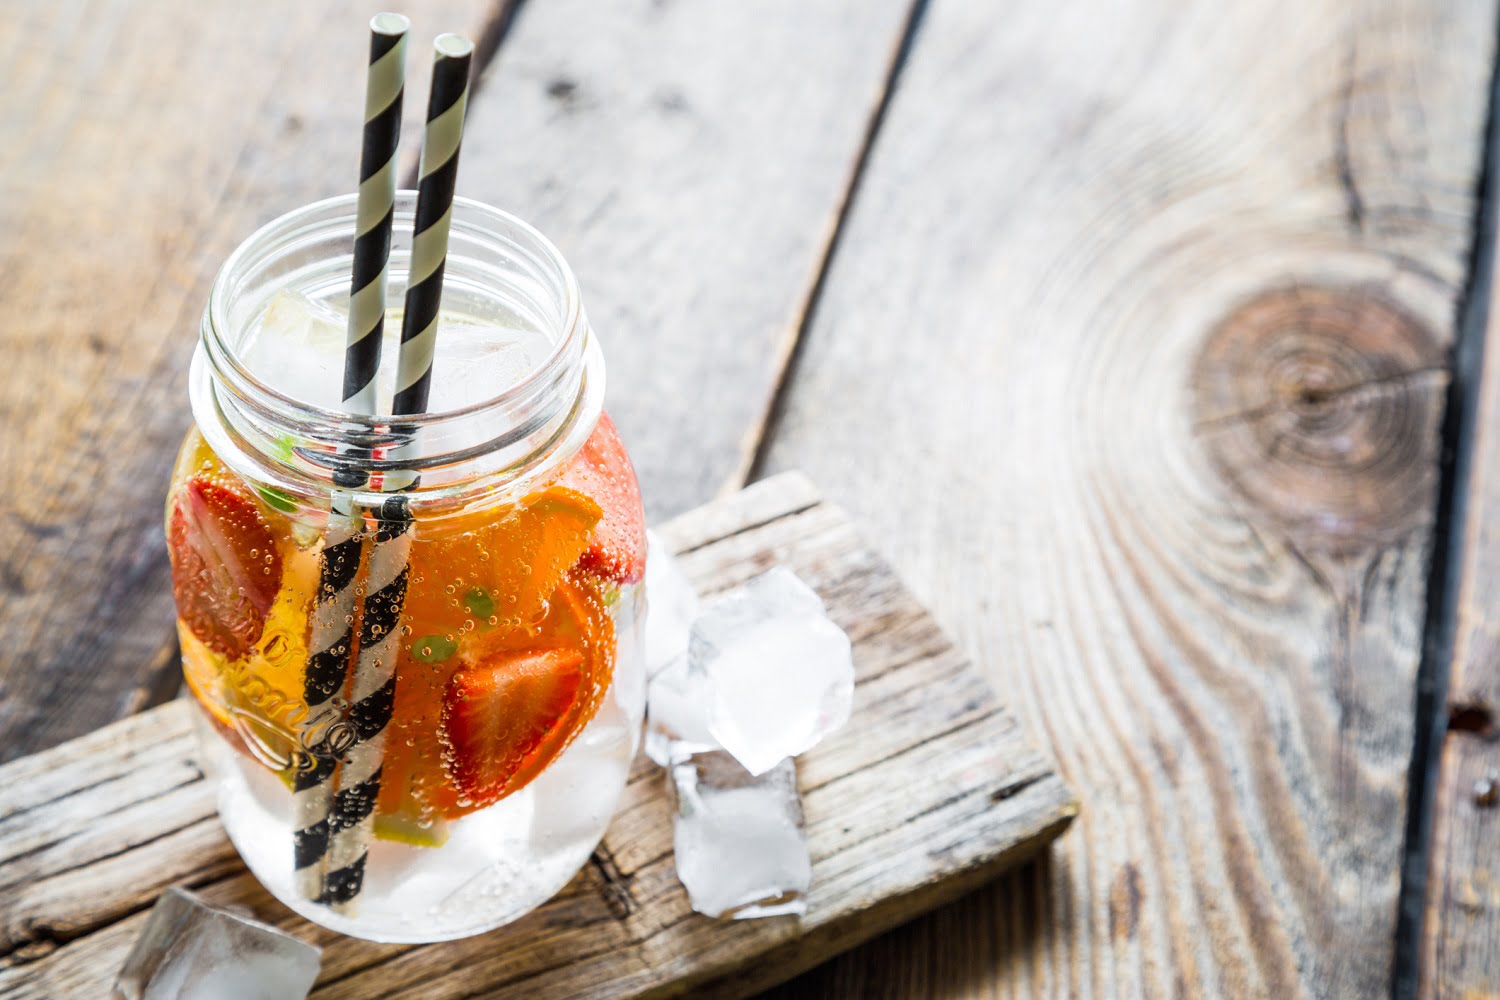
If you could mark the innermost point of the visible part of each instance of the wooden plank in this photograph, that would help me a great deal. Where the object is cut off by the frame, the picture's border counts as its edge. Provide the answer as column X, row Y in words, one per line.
column 1460, row 956
column 1461, row 940
column 930, row 790
column 146, row 140
column 1138, row 372
column 644, row 138
column 690, row 160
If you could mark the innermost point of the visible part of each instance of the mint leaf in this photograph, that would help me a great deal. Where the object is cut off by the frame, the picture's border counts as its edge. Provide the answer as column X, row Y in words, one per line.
column 277, row 499
column 433, row 648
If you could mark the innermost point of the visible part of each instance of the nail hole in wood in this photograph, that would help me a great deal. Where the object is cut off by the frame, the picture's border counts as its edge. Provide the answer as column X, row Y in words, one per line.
column 1472, row 717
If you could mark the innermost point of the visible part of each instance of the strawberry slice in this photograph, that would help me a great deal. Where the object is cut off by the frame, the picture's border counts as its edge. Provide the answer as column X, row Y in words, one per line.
column 602, row 470
column 226, row 568
column 500, row 717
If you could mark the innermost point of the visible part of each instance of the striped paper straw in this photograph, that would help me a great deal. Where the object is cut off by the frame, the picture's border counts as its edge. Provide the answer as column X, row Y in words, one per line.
column 374, row 696
column 316, row 809
column 351, row 821
column 436, row 177
column 327, row 668
column 375, row 209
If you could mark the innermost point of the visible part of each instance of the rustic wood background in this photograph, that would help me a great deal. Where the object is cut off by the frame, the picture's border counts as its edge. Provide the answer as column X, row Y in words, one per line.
column 1145, row 337
column 930, row 790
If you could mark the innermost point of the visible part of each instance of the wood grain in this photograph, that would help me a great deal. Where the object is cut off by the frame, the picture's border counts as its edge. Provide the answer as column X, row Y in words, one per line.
column 1460, row 955
column 931, row 790
column 148, row 139
column 690, row 160
column 1137, row 373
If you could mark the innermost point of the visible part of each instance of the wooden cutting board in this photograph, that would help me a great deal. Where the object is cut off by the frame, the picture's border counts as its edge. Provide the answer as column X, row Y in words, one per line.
column 931, row 789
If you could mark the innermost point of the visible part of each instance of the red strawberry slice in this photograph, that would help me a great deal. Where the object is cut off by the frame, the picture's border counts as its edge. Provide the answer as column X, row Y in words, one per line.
column 503, row 720
column 602, row 470
column 226, row 569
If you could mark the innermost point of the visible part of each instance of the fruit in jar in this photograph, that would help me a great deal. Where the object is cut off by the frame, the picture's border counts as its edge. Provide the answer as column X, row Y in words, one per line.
column 602, row 470
column 226, row 569
column 472, row 567
column 501, row 719
column 576, row 629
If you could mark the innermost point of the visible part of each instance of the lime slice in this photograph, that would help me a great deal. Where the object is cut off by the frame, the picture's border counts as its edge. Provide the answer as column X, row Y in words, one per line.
column 277, row 499
column 405, row 830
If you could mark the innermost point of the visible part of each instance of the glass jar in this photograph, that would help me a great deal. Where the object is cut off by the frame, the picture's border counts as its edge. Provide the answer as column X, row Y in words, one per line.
column 447, row 776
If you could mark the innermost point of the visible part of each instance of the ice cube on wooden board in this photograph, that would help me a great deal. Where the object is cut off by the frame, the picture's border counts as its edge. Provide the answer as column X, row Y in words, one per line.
column 190, row 950
column 738, row 839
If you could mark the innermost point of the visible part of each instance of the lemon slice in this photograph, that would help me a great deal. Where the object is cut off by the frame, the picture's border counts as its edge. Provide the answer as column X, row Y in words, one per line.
column 405, row 830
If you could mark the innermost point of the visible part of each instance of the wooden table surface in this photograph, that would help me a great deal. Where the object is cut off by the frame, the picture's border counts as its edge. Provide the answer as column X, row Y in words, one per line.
column 1144, row 336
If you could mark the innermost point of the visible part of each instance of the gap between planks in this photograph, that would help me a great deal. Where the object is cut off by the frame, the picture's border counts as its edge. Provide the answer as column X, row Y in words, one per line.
column 760, row 434
column 1449, row 907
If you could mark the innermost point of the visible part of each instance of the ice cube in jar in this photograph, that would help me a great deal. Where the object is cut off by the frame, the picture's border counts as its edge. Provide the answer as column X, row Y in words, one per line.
column 298, row 348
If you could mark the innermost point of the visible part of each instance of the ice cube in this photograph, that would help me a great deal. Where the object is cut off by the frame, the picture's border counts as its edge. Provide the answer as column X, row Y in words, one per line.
column 672, row 604
column 190, row 950
column 423, row 879
column 738, row 839
column 778, row 674
column 298, row 349
column 473, row 363
column 577, row 793
column 677, row 699
column 677, row 714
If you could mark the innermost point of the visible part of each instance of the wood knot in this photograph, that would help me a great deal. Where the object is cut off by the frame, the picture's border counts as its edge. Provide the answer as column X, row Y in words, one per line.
column 1321, row 407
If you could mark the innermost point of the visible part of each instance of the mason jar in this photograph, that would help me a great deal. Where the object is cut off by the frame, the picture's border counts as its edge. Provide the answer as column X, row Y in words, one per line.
column 413, row 642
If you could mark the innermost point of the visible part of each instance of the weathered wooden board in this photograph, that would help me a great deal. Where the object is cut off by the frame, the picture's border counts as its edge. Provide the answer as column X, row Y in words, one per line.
column 929, row 791
column 146, row 139
column 1132, row 351
column 691, row 161
column 1460, row 955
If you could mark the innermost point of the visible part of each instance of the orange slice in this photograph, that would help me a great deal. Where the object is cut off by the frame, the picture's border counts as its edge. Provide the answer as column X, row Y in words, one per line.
column 492, row 570
column 575, row 628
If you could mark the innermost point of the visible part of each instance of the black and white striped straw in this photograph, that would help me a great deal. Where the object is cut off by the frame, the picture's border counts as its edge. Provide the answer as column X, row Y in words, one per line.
column 315, row 804
column 352, row 820
column 437, row 175
column 375, row 209
column 373, row 697
column 330, row 646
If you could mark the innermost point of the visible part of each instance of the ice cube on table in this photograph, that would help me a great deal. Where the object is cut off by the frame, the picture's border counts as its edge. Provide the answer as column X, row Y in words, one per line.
column 677, row 698
column 677, row 714
column 672, row 604
column 738, row 839
column 778, row 675
column 298, row 349
column 190, row 950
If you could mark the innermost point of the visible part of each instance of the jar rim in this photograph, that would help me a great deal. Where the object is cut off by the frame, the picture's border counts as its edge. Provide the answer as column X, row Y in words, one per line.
column 216, row 321
column 516, row 434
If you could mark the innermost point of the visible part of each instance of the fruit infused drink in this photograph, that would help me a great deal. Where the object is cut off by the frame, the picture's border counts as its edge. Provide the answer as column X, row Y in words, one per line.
column 493, row 758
